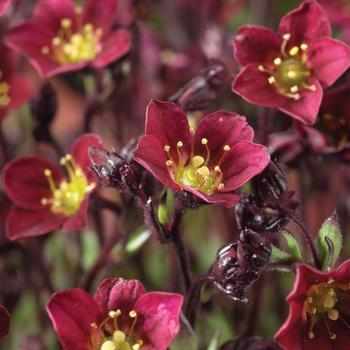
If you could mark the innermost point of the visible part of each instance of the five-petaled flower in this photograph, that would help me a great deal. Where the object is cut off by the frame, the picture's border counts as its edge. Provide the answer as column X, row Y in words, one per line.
column 44, row 198
column 289, row 70
column 121, row 316
column 4, row 322
column 63, row 37
column 319, row 315
column 14, row 89
column 212, row 161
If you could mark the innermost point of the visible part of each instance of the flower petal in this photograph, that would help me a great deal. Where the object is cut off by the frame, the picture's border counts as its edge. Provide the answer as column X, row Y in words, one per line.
column 3, row 5
column 254, row 87
column 118, row 293
column 169, row 124
column 20, row 91
column 25, row 183
column 227, row 199
column 254, row 44
column 242, row 162
column 221, row 128
column 306, row 23
column 80, row 150
column 291, row 333
column 329, row 59
column 151, row 155
column 116, row 45
column 4, row 322
column 51, row 12
column 21, row 223
column 160, row 314
column 305, row 109
column 72, row 312
column 101, row 15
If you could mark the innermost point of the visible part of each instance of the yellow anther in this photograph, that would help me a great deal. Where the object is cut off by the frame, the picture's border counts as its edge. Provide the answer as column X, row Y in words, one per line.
column 333, row 336
column 88, row 27
column 217, row 169
column 112, row 314
column 48, row 172
column 287, row 36
column 204, row 141
column 197, row 161
column 179, row 144
column 303, row 46
column 294, row 89
column 66, row 22
column 221, row 186
column 333, row 314
column 227, row 148
column 132, row 314
column 294, row 51
column 271, row 80
column 169, row 163
column 56, row 41
column 311, row 335
column 166, row 148
column 277, row 61
column 44, row 201
column 136, row 347
column 203, row 171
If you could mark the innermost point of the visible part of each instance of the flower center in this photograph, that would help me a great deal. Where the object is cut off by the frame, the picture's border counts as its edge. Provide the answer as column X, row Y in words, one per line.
column 4, row 91
column 113, row 338
column 67, row 198
column 321, row 304
column 196, row 173
column 335, row 128
column 73, row 46
column 289, row 72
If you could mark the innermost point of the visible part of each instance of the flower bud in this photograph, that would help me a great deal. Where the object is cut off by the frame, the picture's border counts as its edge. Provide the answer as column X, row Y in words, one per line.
column 239, row 264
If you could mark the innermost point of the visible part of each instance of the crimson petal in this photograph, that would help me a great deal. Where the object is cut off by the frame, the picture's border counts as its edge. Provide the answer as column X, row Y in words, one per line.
column 329, row 59
column 25, row 183
column 254, row 44
column 160, row 314
column 306, row 23
column 72, row 312
column 4, row 322
column 22, row 223
column 254, row 87
column 306, row 108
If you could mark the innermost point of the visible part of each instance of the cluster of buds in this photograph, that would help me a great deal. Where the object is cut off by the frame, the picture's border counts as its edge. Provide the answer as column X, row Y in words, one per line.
column 262, row 210
column 203, row 89
column 240, row 263
column 117, row 170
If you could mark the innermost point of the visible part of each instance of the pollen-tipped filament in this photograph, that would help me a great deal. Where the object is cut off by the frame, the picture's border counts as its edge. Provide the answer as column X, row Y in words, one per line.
column 322, row 305
column 69, row 194
column 289, row 72
column 75, row 41
column 109, row 336
column 196, row 172
column 4, row 91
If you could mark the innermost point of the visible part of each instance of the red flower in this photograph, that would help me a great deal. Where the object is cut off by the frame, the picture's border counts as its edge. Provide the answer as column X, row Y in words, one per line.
column 319, row 314
column 289, row 70
column 14, row 89
column 3, row 5
column 45, row 200
column 120, row 316
column 63, row 37
column 211, row 162
column 4, row 322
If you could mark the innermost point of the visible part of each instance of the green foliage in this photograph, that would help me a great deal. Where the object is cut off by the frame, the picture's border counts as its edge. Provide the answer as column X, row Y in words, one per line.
column 329, row 242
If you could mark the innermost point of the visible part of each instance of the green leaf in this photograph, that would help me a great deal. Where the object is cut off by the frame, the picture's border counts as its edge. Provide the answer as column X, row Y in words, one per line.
column 293, row 245
column 329, row 242
column 137, row 240
column 214, row 344
column 279, row 255
column 166, row 207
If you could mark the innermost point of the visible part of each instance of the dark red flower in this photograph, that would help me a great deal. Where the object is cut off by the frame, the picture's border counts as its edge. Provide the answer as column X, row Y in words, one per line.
column 289, row 70
column 3, row 5
column 319, row 314
column 4, row 322
column 63, row 37
column 211, row 162
column 45, row 199
column 120, row 316
column 14, row 89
